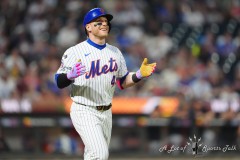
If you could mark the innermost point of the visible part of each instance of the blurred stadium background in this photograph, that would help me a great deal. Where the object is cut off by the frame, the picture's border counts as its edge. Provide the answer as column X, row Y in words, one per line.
column 195, row 90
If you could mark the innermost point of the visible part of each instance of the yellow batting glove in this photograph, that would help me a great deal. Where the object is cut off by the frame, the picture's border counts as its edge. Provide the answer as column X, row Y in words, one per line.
column 146, row 69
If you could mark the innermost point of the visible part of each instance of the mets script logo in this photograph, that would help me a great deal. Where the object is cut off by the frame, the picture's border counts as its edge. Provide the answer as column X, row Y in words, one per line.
column 96, row 70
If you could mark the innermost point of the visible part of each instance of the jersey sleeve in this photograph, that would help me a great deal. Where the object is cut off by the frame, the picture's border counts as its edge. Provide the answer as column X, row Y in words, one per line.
column 67, row 61
column 123, row 71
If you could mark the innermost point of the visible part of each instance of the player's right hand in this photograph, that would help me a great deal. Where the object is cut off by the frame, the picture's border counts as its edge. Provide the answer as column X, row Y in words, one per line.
column 77, row 70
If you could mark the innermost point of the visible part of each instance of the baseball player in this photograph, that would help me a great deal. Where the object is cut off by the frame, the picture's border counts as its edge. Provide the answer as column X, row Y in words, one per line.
column 93, row 68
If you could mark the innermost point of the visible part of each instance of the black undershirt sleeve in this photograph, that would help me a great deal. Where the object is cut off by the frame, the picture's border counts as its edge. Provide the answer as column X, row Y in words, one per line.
column 62, row 80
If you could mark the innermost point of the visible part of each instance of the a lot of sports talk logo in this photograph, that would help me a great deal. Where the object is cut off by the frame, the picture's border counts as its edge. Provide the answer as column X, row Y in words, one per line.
column 195, row 147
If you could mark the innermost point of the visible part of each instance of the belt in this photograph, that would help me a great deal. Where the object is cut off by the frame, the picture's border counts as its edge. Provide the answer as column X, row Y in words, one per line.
column 99, row 108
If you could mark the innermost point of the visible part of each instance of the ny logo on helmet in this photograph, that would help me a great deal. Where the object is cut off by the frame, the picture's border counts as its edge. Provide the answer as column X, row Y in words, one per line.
column 102, row 11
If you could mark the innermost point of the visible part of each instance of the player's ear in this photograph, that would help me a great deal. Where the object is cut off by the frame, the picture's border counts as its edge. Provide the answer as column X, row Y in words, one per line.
column 88, row 27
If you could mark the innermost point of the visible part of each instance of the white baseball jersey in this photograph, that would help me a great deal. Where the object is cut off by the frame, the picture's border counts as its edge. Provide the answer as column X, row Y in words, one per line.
column 104, row 64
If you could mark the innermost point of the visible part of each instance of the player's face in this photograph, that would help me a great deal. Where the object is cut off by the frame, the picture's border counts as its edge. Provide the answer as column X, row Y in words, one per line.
column 99, row 27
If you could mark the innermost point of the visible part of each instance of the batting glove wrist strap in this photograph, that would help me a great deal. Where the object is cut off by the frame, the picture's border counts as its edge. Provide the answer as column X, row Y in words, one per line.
column 138, row 74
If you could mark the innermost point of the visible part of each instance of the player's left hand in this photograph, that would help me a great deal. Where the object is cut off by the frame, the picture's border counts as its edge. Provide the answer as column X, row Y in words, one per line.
column 146, row 69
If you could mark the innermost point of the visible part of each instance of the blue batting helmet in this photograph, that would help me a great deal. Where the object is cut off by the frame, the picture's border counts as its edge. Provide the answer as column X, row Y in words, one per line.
column 95, row 13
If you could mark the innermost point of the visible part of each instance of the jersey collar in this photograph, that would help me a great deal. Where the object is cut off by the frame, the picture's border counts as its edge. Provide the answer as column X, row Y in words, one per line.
column 96, row 45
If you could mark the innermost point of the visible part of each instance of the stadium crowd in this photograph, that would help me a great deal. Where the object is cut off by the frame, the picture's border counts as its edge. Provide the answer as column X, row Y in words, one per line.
column 196, row 44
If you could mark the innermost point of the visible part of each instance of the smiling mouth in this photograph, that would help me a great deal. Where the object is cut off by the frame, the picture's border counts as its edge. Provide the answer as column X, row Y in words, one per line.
column 103, row 29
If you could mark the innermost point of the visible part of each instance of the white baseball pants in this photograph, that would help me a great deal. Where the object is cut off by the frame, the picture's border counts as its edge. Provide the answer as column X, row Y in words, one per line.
column 94, row 127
